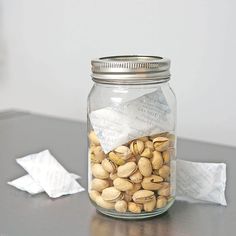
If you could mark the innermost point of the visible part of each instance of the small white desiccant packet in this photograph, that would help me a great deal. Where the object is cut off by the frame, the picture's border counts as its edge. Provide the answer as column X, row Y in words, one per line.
column 196, row 181
column 27, row 183
column 146, row 115
column 49, row 174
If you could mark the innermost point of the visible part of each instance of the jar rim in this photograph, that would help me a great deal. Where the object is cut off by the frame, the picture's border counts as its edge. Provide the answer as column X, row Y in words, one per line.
column 131, row 69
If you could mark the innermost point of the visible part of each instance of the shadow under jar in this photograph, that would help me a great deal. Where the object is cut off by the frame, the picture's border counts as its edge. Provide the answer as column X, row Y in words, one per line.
column 131, row 137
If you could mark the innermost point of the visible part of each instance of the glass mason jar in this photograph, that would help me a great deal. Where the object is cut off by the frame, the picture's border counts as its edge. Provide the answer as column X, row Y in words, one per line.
column 131, row 137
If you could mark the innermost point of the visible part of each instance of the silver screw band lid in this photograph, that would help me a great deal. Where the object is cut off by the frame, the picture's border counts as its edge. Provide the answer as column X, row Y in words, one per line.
column 131, row 69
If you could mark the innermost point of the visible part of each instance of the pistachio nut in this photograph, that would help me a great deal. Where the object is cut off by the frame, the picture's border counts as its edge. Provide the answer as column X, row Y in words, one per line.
column 143, row 139
column 127, row 169
column 116, row 159
column 99, row 172
column 137, row 147
column 149, row 144
column 135, row 188
column 164, row 171
column 97, row 154
column 93, row 194
column 145, row 166
column 165, row 190
column 166, row 156
column 136, row 177
column 161, row 202
column 121, row 206
column 161, row 143
column 123, row 152
column 157, row 160
column 93, row 138
column 104, row 204
column 111, row 194
column 122, row 184
column 127, row 197
column 134, row 208
column 113, row 176
column 99, row 184
column 132, row 159
column 150, row 206
column 152, row 182
column 172, row 138
column 108, row 165
column 143, row 196
column 146, row 153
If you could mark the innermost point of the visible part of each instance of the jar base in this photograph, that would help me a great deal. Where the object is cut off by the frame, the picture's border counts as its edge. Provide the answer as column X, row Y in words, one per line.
column 133, row 216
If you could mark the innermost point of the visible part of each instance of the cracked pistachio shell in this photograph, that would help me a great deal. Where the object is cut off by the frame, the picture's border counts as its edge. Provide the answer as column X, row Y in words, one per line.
column 146, row 153
column 135, row 188
column 104, row 204
column 127, row 169
column 122, row 184
column 161, row 143
column 136, row 177
column 99, row 184
column 157, row 160
column 150, row 206
column 145, row 166
column 99, row 172
column 123, row 152
column 165, row 190
column 143, row 196
column 166, row 156
column 93, row 194
column 149, row 144
column 109, row 166
column 152, row 182
column 161, row 202
column 116, row 159
column 137, row 147
column 164, row 171
column 111, row 194
column 93, row 138
column 134, row 208
column 98, row 153
column 121, row 206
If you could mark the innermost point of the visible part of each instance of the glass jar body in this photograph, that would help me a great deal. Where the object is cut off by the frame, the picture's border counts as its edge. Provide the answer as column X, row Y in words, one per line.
column 136, row 179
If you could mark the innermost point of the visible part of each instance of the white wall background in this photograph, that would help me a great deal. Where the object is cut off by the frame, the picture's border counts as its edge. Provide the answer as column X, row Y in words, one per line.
column 46, row 47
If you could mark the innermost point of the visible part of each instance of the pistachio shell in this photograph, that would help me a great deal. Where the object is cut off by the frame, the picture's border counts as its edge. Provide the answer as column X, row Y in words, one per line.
column 104, row 204
column 157, row 160
column 143, row 139
column 123, row 152
column 161, row 202
column 137, row 147
column 113, row 176
column 99, row 184
column 127, row 197
column 136, row 177
column 146, row 153
column 134, row 208
column 127, row 169
column 152, row 182
column 111, row 194
column 93, row 138
column 145, row 166
column 97, row 154
column 164, row 171
column 109, row 166
column 143, row 196
column 150, row 206
column 116, row 159
column 161, row 143
column 166, row 156
column 165, row 190
column 93, row 194
column 135, row 188
column 149, row 144
column 121, row 206
column 99, row 172
column 122, row 184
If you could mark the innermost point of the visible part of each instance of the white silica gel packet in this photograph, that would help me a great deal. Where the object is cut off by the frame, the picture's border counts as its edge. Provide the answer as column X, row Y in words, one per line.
column 201, row 181
column 49, row 174
column 146, row 115
column 27, row 183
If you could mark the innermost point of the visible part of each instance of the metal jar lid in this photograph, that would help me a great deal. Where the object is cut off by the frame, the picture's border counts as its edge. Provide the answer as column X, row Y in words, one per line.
column 131, row 69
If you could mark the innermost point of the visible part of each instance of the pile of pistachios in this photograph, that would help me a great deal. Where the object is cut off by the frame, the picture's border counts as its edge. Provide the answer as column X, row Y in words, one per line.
column 134, row 177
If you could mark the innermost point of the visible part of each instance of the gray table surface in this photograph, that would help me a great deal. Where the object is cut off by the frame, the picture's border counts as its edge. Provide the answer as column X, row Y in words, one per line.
column 24, row 215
